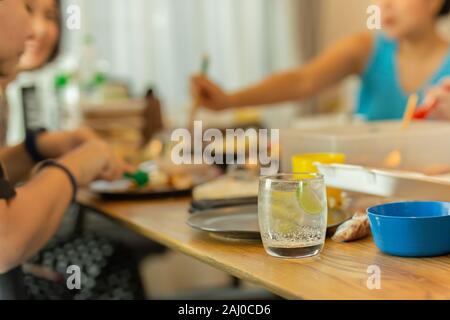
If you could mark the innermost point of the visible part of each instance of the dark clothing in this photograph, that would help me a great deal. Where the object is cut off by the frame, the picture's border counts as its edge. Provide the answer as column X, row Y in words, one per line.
column 11, row 285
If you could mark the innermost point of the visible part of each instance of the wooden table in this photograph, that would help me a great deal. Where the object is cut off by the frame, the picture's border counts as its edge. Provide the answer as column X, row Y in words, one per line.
column 340, row 272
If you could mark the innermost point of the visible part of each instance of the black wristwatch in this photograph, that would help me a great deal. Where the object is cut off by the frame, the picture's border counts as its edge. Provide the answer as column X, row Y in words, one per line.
column 31, row 144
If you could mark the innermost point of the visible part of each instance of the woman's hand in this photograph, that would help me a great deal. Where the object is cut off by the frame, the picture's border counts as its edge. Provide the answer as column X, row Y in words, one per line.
column 441, row 96
column 18, row 163
column 56, row 144
column 208, row 94
column 94, row 160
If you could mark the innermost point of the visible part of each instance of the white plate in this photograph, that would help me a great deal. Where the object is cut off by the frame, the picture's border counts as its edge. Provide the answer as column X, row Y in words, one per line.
column 384, row 183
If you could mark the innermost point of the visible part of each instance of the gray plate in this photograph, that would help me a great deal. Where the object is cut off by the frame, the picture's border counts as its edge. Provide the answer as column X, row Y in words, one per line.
column 241, row 223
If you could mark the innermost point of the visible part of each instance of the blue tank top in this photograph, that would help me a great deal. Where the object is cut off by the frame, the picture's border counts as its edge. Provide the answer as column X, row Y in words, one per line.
column 381, row 96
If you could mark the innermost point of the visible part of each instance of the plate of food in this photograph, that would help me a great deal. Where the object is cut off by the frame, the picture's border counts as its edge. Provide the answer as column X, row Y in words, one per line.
column 152, row 181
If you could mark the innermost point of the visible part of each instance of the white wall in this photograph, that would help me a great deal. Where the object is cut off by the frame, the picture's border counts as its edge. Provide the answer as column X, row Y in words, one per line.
column 339, row 18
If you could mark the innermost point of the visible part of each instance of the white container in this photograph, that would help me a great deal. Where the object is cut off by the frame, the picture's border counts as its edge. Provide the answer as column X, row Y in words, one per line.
column 389, row 184
column 424, row 144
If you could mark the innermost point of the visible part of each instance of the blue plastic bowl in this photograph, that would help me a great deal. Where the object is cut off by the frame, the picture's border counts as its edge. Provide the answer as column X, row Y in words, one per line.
column 411, row 229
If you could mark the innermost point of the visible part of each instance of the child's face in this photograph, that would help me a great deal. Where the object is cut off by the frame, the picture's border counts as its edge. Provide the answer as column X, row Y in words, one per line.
column 45, row 25
column 14, row 30
column 402, row 18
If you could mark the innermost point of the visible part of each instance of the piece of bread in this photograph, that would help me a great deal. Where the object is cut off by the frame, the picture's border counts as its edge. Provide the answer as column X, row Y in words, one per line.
column 356, row 228
column 226, row 187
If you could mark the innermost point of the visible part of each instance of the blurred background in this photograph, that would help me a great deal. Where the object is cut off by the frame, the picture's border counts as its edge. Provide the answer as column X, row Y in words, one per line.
column 134, row 46
column 159, row 44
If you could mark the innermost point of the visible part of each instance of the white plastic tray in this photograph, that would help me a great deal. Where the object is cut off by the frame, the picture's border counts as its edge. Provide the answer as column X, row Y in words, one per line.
column 392, row 184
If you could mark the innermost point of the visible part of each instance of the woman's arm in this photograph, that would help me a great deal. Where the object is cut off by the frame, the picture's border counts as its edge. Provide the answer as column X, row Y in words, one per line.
column 347, row 57
column 29, row 219
column 18, row 163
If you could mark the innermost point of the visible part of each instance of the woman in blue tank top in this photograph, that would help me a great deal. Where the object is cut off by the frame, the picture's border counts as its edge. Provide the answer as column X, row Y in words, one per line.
column 407, row 56
column 382, row 95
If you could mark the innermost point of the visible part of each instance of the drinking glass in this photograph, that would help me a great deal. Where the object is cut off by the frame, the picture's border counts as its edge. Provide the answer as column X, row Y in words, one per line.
column 292, row 214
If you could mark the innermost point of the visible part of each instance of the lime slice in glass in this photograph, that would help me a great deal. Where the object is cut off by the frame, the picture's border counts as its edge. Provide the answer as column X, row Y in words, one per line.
column 308, row 200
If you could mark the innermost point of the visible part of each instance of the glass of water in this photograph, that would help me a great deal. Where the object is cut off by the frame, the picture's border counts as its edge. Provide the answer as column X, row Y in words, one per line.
column 292, row 213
